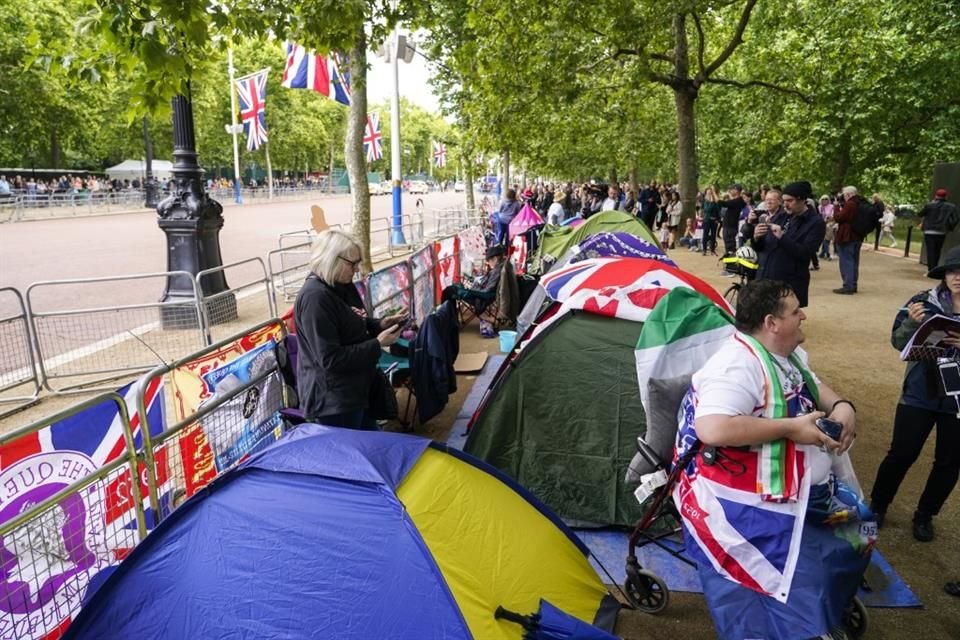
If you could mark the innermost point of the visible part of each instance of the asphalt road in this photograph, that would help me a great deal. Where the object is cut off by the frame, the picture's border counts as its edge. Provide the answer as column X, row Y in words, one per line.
column 120, row 244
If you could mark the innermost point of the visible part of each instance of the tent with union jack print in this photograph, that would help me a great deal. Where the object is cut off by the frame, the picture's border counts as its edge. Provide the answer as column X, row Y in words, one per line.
column 562, row 415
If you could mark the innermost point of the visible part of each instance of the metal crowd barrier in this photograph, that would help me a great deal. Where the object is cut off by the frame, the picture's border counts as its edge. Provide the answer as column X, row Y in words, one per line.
column 18, row 366
column 59, row 542
column 112, row 340
column 382, row 240
column 237, row 306
column 288, row 267
column 217, row 424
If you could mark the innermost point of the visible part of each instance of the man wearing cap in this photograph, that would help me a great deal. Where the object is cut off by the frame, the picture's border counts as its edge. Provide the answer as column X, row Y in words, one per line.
column 938, row 218
column 789, row 238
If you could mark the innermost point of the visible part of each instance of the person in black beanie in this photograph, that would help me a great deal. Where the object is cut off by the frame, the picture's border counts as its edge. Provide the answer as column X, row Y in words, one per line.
column 787, row 241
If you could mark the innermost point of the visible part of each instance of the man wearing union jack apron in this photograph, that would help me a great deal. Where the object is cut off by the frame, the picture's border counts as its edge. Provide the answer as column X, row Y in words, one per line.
column 771, row 509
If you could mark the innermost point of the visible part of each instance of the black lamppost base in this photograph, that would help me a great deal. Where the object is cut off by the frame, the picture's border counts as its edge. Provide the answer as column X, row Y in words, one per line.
column 192, row 221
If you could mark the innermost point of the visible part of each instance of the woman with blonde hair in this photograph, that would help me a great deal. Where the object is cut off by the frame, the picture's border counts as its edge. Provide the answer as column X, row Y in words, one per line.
column 338, row 350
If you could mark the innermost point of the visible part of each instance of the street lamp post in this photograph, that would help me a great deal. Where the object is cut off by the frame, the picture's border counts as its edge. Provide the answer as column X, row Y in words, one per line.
column 398, row 49
column 395, row 169
column 191, row 221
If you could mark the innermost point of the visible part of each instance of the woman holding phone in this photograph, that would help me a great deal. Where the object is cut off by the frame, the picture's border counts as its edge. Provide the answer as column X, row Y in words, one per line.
column 338, row 350
column 924, row 404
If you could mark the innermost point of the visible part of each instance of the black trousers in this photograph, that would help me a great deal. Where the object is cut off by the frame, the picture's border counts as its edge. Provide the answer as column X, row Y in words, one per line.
column 910, row 430
column 649, row 217
column 934, row 244
column 710, row 236
column 730, row 240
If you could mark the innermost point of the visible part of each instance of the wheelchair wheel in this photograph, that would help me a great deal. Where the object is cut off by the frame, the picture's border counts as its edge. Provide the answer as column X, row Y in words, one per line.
column 646, row 591
column 730, row 295
column 855, row 620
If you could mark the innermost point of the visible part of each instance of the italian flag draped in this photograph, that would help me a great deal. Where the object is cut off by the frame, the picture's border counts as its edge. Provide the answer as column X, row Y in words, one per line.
column 682, row 331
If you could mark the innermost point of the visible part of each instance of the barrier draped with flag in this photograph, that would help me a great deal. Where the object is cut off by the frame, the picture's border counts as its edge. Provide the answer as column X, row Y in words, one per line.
column 60, row 556
column 252, row 91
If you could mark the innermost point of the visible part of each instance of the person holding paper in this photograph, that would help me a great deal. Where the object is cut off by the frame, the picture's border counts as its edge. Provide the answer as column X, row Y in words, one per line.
column 922, row 405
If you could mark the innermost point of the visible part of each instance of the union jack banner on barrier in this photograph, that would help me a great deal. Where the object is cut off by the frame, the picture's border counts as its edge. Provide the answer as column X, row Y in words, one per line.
column 252, row 91
column 372, row 138
column 54, row 561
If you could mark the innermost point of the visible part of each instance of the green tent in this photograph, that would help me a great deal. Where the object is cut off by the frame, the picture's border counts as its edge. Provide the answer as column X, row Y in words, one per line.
column 563, row 417
column 555, row 240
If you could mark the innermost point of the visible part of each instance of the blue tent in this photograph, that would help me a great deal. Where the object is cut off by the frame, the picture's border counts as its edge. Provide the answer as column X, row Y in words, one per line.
column 334, row 533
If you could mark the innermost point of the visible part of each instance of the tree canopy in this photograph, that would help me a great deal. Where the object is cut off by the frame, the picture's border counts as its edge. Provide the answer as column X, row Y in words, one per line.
column 836, row 92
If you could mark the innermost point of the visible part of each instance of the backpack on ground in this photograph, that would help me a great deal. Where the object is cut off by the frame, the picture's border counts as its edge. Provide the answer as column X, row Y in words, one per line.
column 866, row 218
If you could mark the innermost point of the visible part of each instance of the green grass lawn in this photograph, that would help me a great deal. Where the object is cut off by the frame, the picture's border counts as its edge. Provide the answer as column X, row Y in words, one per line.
column 900, row 233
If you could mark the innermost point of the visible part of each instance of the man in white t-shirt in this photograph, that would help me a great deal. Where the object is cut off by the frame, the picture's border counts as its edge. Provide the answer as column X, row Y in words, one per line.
column 730, row 388
column 612, row 201
column 759, row 501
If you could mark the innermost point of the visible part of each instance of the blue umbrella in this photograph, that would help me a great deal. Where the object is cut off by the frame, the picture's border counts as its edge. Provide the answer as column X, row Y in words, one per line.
column 551, row 623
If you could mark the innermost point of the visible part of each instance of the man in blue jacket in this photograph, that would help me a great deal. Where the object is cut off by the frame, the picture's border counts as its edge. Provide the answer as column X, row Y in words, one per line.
column 787, row 241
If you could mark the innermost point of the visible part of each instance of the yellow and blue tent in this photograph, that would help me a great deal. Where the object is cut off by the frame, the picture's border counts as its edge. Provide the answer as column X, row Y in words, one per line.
column 334, row 533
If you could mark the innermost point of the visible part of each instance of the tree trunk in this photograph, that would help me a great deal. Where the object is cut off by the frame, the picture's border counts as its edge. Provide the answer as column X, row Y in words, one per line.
column 330, row 170
column 684, row 97
column 685, row 101
column 612, row 177
column 356, row 160
column 55, row 151
column 841, row 164
column 468, row 179
column 632, row 177
column 506, row 171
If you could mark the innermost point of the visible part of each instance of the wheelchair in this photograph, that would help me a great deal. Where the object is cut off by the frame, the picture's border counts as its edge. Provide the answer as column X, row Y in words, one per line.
column 660, row 524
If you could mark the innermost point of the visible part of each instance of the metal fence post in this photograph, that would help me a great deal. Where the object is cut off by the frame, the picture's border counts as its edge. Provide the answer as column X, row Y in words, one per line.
column 906, row 249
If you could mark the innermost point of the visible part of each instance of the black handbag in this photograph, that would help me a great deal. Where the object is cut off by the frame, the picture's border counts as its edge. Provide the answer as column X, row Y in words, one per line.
column 383, row 399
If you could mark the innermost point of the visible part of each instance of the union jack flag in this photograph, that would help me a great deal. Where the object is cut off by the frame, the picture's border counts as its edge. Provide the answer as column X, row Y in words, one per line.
column 307, row 70
column 440, row 154
column 57, row 558
column 340, row 79
column 626, row 288
column 372, row 138
column 253, row 99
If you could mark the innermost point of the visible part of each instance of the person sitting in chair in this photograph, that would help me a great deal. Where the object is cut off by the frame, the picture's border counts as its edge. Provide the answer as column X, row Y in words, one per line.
column 484, row 290
column 769, row 505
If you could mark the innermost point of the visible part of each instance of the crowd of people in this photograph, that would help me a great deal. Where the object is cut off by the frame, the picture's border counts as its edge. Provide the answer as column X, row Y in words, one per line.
column 791, row 230
column 65, row 184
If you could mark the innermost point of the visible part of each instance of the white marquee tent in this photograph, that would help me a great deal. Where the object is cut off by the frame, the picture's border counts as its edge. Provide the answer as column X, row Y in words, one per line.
column 137, row 169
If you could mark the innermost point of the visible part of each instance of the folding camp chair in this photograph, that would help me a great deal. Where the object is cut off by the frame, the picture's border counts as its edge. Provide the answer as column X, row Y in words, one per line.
column 397, row 369
column 499, row 307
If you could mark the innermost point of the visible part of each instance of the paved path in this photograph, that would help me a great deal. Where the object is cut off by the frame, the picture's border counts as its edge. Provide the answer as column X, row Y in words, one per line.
column 132, row 243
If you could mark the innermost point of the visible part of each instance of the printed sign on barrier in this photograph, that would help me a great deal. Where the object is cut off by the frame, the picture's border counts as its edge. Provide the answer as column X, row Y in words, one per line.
column 249, row 421
column 424, row 285
column 389, row 289
column 190, row 390
column 448, row 263
column 55, row 560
